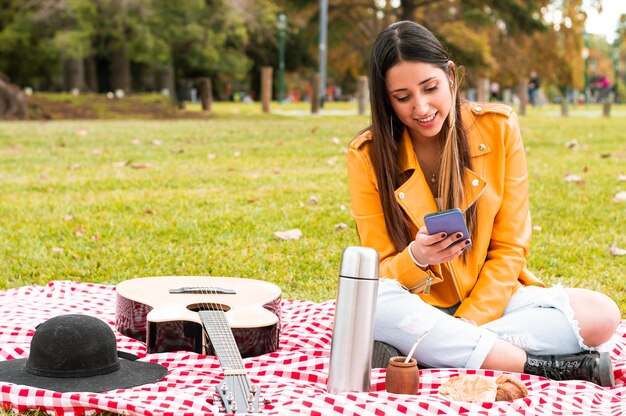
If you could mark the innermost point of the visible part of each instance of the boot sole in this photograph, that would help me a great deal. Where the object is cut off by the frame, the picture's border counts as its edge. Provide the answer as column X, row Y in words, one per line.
column 605, row 370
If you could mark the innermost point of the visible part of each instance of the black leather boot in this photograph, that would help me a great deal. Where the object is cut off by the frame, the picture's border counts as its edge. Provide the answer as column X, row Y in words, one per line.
column 381, row 354
column 589, row 366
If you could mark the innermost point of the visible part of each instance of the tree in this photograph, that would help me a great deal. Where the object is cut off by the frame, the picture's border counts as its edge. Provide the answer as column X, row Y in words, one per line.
column 463, row 25
column 199, row 38
column 28, row 55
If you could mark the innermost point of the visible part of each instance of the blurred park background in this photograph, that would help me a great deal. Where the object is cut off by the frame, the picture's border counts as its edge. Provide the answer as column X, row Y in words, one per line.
column 316, row 51
column 208, row 137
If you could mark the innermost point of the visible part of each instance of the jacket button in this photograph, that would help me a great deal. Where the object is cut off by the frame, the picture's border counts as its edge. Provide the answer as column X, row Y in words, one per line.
column 401, row 195
column 482, row 147
column 478, row 108
column 475, row 182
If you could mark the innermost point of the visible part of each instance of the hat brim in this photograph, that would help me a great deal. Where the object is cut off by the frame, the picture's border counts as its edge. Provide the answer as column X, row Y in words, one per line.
column 130, row 374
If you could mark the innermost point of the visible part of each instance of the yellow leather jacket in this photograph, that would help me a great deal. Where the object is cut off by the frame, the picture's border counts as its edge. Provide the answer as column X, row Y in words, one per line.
column 495, row 266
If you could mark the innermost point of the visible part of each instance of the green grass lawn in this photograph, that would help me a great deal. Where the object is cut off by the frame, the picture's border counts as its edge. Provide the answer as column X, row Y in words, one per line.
column 104, row 201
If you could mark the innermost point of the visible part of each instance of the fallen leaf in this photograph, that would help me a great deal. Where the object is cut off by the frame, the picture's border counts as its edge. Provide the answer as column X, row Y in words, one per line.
column 332, row 160
column 79, row 231
column 536, row 227
column 177, row 151
column 156, row 142
column 342, row 207
column 149, row 211
column 95, row 237
column 620, row 197
column 574, row 178
column 586, row 169
column 276, row 171
column 293, row 234
column 81, row 132
column 121, row 164
column 135, row 142
column 57, row 250
column 252, row 200
column 621, row 178
column 210, row 156
column 237, row 154
column 605, row 155
column 75, row 166
column 616, row 251
column 313, row 200
column 335, row 140
column 140, row 165
column 572, row 144
column 279, row 143
column 341, row 226
column 96, row 152
column 68, row 217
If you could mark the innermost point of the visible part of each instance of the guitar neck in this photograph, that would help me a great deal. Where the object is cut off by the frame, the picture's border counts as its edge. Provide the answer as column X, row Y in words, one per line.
column 222, row 339
column 235, row 391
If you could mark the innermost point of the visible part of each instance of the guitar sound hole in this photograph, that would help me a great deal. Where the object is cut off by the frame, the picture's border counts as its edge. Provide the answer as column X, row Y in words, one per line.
column 197, row 307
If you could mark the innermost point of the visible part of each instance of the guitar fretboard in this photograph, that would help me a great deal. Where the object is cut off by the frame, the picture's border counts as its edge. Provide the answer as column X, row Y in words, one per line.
column 222, row 339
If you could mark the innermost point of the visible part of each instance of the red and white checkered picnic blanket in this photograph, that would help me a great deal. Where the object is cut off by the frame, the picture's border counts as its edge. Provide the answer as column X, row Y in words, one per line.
column 292, row 380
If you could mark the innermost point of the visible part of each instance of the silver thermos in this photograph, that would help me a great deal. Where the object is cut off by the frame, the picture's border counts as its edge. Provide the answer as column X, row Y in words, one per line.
column 353, row 329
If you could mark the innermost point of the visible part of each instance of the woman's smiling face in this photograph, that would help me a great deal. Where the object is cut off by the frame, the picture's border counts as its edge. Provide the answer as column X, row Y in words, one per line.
column 421, row 96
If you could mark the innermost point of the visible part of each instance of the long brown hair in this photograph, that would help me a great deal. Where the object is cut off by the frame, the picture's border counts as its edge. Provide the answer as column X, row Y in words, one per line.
column 409, row 41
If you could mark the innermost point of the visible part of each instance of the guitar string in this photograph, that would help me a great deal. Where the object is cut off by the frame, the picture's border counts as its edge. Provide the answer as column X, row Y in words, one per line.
column 221, row 337
column 235, row 357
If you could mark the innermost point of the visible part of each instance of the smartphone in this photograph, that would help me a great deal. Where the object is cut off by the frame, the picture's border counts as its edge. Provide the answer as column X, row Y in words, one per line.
column 450, row 221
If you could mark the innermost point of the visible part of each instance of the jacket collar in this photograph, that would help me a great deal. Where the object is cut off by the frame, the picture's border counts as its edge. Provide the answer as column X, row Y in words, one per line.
column 414, row 195
column 406, row 155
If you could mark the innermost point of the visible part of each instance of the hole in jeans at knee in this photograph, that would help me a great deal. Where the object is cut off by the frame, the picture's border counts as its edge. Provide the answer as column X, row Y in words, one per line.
column 414, row 325
column 524, row 342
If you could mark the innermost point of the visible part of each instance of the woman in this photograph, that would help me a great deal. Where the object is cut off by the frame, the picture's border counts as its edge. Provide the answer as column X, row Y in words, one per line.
column 470, row 305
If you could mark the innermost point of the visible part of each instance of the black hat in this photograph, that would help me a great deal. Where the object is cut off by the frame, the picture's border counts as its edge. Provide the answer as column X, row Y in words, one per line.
column 78, row 353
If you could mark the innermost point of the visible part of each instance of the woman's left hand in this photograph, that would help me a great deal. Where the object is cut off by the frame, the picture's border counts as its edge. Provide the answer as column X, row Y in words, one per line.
column 437, row 248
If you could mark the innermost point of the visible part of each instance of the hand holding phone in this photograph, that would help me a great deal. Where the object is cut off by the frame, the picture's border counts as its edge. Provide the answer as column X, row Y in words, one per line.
column 450, row 221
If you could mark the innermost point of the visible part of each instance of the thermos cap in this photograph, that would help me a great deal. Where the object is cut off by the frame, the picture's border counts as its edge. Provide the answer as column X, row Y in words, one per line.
column 359, row 262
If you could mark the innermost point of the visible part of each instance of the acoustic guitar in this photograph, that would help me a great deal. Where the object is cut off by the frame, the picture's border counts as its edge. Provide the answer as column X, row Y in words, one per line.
column 223, row 316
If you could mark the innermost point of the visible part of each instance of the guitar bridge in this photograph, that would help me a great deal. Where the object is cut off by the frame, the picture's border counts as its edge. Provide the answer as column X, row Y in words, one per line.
column 204, row 290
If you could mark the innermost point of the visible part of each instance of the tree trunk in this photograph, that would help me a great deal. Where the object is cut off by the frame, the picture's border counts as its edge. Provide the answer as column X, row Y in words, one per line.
column 523, row 96
column 266, row 88
column 362, row 94
column 315, row 94
column 91, row 74
column 482, row 90
column 74, row 75
column 206, row 93
column 165, row 83
column 606, row 105
column 564, row 106
column 120, row 70
column 12, row 102
column 408, row 9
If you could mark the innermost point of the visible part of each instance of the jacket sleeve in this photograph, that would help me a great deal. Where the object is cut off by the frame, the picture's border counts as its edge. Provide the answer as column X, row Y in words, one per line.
column 510, row 237
column 367, row 211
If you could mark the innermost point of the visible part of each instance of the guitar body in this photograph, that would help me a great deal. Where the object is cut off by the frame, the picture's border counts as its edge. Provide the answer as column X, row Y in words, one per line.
column 148, row 312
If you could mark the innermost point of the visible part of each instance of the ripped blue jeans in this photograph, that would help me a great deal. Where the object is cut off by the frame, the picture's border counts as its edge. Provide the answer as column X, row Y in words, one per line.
column 538, row 320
